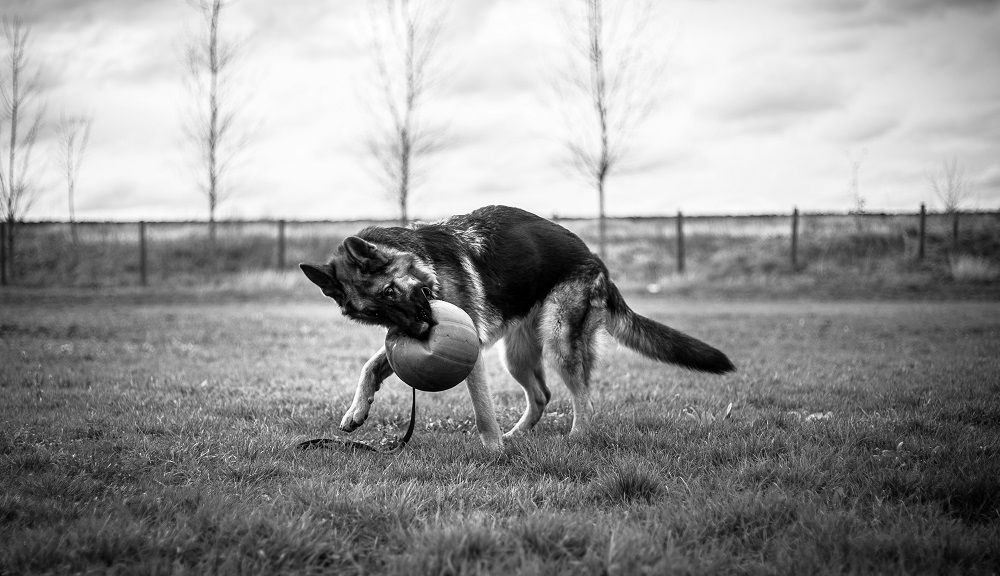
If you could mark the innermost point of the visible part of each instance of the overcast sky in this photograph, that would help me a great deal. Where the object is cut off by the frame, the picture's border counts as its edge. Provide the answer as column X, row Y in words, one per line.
column 762, row 105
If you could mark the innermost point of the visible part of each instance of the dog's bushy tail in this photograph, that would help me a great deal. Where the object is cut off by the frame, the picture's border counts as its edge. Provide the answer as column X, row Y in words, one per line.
column 659, row 342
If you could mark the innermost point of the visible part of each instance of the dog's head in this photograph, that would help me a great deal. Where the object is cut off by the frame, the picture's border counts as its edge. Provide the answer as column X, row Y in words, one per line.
column 378, row 285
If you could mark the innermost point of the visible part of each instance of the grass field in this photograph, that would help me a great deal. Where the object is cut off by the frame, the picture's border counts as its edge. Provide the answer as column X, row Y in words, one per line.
column 157, row 438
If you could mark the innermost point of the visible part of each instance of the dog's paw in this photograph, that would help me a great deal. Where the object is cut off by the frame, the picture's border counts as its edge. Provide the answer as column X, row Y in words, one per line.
column 493, row 445
column 355, row 417
column 514, row 433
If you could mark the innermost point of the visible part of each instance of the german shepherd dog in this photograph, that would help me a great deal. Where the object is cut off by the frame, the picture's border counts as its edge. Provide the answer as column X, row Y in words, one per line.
column 522, row 279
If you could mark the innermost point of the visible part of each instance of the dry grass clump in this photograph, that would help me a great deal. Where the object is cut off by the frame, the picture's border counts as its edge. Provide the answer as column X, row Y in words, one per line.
column 625, row 485
column 264, row 280
column 966, row 268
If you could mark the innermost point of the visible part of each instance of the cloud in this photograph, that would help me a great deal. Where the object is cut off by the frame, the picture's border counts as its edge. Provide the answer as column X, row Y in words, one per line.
column 321, row 30
column 867, row 119
column 865, row 128
column 71, row 13
column 880, row 13
column 764, row 100
column 837, row 43
column 989, row 181
column 777, row 98
column 899, row 11
column 980, row 123
column 470, row 16
column 505, row 56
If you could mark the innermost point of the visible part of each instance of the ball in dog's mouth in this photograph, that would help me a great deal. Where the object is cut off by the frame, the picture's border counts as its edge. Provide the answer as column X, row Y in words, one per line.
column 443, row 357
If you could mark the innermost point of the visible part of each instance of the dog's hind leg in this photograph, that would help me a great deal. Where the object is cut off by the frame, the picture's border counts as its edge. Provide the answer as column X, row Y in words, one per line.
column 571, row 321
column 482, row 405
column 523, row 359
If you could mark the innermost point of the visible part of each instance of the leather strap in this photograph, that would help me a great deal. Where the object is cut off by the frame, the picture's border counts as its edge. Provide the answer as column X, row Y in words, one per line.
column 356, row 445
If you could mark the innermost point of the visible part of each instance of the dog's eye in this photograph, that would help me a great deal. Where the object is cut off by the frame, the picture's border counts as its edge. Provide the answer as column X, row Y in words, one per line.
column 426, row 291
column 389, row 291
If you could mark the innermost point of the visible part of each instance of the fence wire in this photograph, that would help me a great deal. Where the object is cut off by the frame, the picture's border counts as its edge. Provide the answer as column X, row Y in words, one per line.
column 640, row 251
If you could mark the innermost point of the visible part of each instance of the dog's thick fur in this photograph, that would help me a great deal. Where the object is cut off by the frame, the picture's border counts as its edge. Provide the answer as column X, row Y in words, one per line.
column 524, row 280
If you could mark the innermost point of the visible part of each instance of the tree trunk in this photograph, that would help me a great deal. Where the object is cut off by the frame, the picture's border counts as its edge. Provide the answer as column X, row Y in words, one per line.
column 406, row 154
column 3, row 253
column 11, row 274
column 213, row 129
column 600, row 93
column 954, row 231
column 404, row 184
column 601, row 222
column 211, row 224
column 72, row 215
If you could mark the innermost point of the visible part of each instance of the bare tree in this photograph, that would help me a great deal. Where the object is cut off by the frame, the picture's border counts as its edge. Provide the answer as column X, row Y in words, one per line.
column 22, row 114
column 854, row 184
column 73, row 136
column 210, row 60
column 618, row 83
column 405, row 42
column 953, row 189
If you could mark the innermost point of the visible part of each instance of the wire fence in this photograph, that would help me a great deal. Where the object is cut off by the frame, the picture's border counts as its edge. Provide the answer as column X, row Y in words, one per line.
column 640, row 251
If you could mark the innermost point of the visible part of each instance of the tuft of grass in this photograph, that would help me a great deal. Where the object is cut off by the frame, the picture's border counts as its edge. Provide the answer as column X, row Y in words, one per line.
column 967, row 268
column 464, row 548
column 627, row 484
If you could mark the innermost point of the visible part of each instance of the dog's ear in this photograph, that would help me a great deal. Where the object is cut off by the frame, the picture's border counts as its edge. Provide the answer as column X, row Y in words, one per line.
column 364, row 254
column 324, row 276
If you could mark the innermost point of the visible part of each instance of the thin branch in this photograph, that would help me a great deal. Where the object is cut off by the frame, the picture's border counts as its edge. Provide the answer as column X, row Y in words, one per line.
column 215, row 125
column 22, row 107
column 951, row 185
column 614, row 74
column 405, row 44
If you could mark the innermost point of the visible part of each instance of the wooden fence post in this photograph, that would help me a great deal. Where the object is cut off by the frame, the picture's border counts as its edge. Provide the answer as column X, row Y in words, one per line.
column 954, row 230
column 3, row 253
column 680, row 242
column 795, row 239
column 281, row 244
column 142, row 254
column 923, row 231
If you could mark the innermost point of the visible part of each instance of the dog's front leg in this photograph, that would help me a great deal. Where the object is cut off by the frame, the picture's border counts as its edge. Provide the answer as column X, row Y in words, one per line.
column 376, row 370
column 482, row 405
